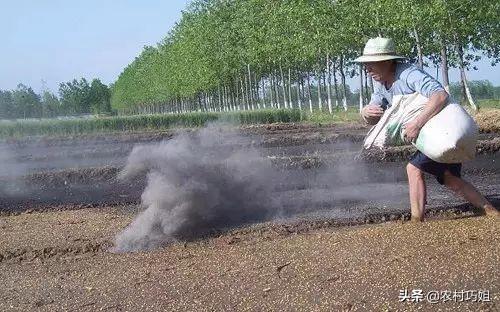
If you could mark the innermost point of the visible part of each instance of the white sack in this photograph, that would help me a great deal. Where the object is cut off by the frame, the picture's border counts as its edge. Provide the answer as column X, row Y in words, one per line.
column 448, row 137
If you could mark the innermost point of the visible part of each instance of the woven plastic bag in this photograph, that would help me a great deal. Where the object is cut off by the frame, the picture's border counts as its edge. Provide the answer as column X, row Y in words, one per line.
column 448, row 137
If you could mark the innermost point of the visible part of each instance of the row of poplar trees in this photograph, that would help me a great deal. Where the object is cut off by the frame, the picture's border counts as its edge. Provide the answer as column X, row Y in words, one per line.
column 226, row 55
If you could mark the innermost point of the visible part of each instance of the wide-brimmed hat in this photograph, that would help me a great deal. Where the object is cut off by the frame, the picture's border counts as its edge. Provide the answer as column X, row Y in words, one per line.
column 377, row 50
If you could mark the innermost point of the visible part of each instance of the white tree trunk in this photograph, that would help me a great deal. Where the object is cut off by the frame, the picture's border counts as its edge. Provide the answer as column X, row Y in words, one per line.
column 335, row 83
column 285, row 103
column 344, row 86
column 444, row 67
column 277, row 92
column 290, row 102
column 249, row 90
column 360, row 87
column 309, row 93
column 264, row 92
column 464, row 78
column 419, row 49
column 299, row 100
column 329, row 67
column 244, row 93
column 271, row 87
column 318, row 78
column 256, row 93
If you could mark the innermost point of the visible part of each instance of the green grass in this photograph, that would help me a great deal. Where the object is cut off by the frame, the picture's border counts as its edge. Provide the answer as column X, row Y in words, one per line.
column 53, row 127
column 489, row 104
column 338, row 116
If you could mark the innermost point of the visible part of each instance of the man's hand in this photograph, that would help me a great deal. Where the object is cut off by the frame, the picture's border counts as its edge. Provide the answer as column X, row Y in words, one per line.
column 435, row 104
column 371, row 113
column 411, row 130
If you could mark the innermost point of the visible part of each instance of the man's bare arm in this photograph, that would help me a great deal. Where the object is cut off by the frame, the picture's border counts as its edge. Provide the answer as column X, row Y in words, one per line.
column 436, row 103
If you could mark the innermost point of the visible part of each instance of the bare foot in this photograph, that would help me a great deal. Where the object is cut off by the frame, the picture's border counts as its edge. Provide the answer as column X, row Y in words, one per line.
column 491, row 211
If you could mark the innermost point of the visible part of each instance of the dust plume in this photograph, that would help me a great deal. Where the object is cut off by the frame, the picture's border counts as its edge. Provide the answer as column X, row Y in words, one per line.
column 208, row 181
column 11, row 172
column 196, row 184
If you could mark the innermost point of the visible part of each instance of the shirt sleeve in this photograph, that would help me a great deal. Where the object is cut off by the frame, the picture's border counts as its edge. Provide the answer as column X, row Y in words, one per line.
column 377, row 97
column 423, row 83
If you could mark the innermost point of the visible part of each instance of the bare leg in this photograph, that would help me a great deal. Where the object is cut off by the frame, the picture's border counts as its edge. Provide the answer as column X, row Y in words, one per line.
column 418, row 193
column 469, row 193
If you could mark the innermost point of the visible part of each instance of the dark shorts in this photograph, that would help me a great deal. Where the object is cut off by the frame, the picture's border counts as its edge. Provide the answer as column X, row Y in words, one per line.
column 435, row 168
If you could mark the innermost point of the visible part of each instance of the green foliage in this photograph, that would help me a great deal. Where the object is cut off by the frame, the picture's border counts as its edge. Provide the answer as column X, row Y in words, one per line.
column 51, row 104
column 25, row 103
column 6, row 105
column 75, row 97
column 99, row 97
column 217, row 41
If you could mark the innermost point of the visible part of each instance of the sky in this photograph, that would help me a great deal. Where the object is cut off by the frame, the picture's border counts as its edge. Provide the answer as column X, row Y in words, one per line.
column 46, row 42
column 57, row 41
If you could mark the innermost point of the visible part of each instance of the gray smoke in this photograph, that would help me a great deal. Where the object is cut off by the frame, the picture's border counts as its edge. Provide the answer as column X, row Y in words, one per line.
column 211, row 180
column 197, row 184
column 11, row 172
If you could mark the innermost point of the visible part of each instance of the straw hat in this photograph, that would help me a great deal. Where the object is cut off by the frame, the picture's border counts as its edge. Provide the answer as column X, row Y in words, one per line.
column 377, row 50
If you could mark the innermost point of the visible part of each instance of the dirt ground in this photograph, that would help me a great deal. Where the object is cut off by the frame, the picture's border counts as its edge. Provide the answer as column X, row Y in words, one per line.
column 61, row 207
column 59, row 261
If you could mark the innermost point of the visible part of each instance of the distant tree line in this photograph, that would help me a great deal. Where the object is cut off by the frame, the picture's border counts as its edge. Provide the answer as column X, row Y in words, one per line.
column 75, row 98
column 480, row 89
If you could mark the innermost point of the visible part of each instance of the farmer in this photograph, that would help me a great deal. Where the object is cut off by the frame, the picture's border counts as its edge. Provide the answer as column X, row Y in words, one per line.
column 397, row 78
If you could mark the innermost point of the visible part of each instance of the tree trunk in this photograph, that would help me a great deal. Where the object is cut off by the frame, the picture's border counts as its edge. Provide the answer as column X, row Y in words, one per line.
column 329, row 69
column 370, row 82
column 220, row 99
column 256, row 93
column 344, row 86
column 227, row 100
column 237, row 94
column 290, row 102
column 318, row 78
column 419, row 49
column 444, row 67
column 244, row 92
column 271, row 89
column 277, row 91
column 335, row 83
column 365, row 81
column 233, row 99
column 323, row 87
column 464, row 78
column 264, row 92
column 249, row 88
column 299, row 100
column 360, row 87
column 283, row 87
column 309, row 92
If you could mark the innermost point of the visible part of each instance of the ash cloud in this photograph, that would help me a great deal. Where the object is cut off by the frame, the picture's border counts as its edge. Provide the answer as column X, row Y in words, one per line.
column 11, row 172
column 196, row 185
column 208, row 181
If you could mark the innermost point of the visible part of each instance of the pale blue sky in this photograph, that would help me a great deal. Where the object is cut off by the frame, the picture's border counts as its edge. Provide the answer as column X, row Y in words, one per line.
column 58, row 40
